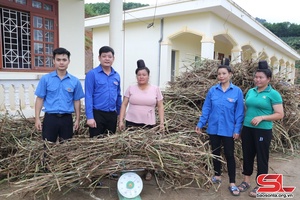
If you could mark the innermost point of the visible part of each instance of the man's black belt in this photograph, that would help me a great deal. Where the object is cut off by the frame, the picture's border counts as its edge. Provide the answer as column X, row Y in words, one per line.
column 59, row 114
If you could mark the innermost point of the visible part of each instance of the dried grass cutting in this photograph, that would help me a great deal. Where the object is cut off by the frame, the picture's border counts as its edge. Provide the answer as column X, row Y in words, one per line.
column 180, row 157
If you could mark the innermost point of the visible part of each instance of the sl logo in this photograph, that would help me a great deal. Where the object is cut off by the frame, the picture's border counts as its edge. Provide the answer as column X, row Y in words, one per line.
column 273, row 183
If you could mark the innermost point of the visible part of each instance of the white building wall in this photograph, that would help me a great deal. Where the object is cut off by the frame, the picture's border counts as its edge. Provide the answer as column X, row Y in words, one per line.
column 181, row 33
column 71, row 34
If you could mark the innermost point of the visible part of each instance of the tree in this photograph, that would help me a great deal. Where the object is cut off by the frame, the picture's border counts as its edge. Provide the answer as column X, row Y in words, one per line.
column 94, row 9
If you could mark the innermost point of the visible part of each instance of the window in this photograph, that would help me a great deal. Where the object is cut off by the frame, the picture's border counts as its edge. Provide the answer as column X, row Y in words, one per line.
column 28, row 30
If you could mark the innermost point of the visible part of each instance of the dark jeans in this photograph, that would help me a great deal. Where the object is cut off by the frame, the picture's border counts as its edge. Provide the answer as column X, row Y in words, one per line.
column 216, row 142
column 106, row 122
column 57, row 126
column 256, row 142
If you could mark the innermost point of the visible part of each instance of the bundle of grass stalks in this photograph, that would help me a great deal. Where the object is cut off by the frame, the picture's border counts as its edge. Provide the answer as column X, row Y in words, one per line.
column 14, row 131
column 181, row 158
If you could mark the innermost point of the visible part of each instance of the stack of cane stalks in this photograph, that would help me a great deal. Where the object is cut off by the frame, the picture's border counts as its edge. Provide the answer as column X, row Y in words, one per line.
column 178, row 155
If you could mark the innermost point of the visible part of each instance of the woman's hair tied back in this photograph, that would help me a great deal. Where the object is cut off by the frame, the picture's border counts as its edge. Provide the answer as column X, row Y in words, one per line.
column 140, row 63
column 262, row 64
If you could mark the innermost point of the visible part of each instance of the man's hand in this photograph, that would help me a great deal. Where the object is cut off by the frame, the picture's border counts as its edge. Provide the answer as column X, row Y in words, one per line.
column 38, row 124
column 198, row 130
column 91, row 123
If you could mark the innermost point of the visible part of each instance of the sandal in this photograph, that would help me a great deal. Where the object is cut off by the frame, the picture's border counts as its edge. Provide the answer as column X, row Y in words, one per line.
column 243, row 186
column 214, row 180
column 148, row 176
column 253, row 192
column 234, row 190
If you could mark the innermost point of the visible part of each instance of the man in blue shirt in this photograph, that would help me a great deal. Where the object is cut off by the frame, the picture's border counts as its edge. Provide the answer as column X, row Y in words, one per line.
column 103, row 95
column 60, row 93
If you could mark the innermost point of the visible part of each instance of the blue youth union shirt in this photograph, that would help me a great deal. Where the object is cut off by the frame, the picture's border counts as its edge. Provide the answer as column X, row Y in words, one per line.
column 59, row 94
column 223, row 111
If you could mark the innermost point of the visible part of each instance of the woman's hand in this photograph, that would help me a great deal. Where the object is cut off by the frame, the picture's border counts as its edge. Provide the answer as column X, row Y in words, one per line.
column 256, row 120
column 121, row 125
column 161, row 128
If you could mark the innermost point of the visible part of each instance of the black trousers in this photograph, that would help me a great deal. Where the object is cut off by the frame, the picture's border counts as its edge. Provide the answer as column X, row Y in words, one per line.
column 57, row 126
column 256, row 142
column 106, row 122
column 216, row 142
column 132, row 124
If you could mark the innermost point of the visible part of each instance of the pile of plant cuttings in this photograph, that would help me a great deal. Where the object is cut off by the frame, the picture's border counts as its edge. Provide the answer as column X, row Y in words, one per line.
column 179, row 156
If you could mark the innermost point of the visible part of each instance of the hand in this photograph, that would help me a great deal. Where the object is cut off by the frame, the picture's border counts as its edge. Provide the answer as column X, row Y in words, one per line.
column 91, row 123
column 38, row 124
column 236, row 136
column 162, row 128
column 256, row 120
column 121, row 126
column 198, row 130
column 76, row 125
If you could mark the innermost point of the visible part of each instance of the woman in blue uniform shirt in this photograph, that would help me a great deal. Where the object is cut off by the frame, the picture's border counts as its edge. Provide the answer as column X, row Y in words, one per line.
column 223, row 110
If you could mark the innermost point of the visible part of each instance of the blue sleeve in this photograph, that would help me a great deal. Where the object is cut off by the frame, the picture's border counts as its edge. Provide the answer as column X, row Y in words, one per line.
column 78, row 93
column 89, row 89
column 239, row 112
column 206, row 108
column 41, row 89
column 119, row 99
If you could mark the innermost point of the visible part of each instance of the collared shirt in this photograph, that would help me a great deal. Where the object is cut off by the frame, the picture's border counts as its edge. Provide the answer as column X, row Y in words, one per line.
column 102, row 91
column 59, row 94
column 224, row 111
column 259, row 104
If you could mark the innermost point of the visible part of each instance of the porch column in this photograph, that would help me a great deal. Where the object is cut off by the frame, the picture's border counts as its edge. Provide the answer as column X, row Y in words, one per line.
column 116, row 36
column 288, row 72
column 165, row 63
column 293, row 74
column 282, row 70
column 236, row 55
column 275, row 67
column 207, row 48
column 254, row 56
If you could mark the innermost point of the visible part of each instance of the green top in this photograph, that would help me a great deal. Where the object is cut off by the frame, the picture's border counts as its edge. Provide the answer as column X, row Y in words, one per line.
column 259, row 104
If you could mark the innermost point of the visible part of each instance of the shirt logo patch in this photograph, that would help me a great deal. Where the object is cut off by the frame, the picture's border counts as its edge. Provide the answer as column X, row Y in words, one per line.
column 69, row 89
column 230, row 99
column 264, row 97
column 116, row 83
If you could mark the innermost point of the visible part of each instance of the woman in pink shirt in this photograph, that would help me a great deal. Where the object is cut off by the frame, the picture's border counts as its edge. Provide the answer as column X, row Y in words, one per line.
column 142, row 98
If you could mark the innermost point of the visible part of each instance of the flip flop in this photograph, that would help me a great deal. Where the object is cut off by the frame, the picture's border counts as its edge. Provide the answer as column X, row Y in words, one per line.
column 253, row 192
column 214, row 180
column 233, row 190
column 244, row 186
column 148, row 176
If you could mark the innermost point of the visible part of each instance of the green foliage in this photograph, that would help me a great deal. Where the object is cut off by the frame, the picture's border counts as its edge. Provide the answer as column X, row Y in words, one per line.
column 288, row 32
column 94, row 9
column 294, row 42
column 284, row 29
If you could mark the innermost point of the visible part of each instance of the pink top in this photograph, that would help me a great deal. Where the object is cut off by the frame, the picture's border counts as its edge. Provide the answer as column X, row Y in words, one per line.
column 142, row 104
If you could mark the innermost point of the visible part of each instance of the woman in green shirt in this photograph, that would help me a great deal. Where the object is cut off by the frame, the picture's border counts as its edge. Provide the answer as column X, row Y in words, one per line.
column 263, row 106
